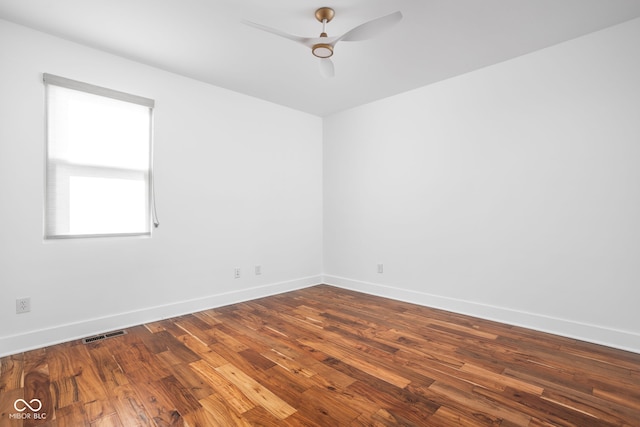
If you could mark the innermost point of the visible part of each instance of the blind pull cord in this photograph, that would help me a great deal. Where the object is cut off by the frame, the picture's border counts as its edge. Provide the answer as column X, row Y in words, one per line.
column 154, row 212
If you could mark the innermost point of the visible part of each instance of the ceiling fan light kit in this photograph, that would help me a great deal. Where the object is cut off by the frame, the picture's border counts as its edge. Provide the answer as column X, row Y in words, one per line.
column 322, row 50
column 322, row 46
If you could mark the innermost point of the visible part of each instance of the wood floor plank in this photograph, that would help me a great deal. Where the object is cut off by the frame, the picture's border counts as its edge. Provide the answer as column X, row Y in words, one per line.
column 198, row 387
column 11, row 369
column 129, row 406
column 479, row 404
column 7, row 410
column 399, row 407
column 365, row 366
column 107, row 368
column 325, row 357
column 445, row 417
column 327, row 408
column 180, row 396
column 231, row 394
column 158, row 403
column 112, row 420
column 71, row 416
column 220, row 414
column 257, row 393
column 288, row 363
column 259, row 416
column 286, row 384
column 482, row 376
column 101, row 412
column 385, row 394
column 213, row 415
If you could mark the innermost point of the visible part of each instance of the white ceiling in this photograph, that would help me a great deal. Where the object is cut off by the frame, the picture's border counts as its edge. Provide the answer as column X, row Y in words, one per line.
column 205, row 40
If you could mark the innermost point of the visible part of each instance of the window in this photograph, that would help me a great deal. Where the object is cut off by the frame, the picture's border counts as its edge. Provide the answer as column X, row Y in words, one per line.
column 99, row 157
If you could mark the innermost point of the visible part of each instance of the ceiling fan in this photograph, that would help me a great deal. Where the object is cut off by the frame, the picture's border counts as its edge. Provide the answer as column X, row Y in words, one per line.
column 322, row 46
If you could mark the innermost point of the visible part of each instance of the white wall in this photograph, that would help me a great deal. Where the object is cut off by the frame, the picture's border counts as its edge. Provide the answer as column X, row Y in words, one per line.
column 510, row 193
column 238, row 182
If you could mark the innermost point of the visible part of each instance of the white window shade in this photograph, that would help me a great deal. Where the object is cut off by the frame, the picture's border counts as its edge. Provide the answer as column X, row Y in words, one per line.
column 99, row 163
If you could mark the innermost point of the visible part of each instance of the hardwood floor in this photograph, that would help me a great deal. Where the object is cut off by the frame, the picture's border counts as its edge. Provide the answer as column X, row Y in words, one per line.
column 323, row 356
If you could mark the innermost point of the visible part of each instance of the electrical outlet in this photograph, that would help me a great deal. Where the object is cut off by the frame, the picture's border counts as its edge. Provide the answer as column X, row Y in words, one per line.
column 380, row 268
column 23, row 305
column 258, row 270
column 236, row 273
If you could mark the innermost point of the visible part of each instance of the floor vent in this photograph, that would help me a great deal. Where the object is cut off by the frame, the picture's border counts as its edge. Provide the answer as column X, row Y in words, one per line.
column 101, row 337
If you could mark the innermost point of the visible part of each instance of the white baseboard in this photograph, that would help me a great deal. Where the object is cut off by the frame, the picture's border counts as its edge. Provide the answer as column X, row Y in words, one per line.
column 624, row 340
column 62, row 333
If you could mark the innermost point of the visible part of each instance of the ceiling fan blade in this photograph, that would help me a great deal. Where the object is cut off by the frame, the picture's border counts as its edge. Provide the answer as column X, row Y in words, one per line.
column 299, row 39
column 372, row 28
column 327, row 69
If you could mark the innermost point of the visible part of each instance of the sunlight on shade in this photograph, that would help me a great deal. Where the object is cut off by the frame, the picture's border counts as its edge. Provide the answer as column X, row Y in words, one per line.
column 107, row 205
